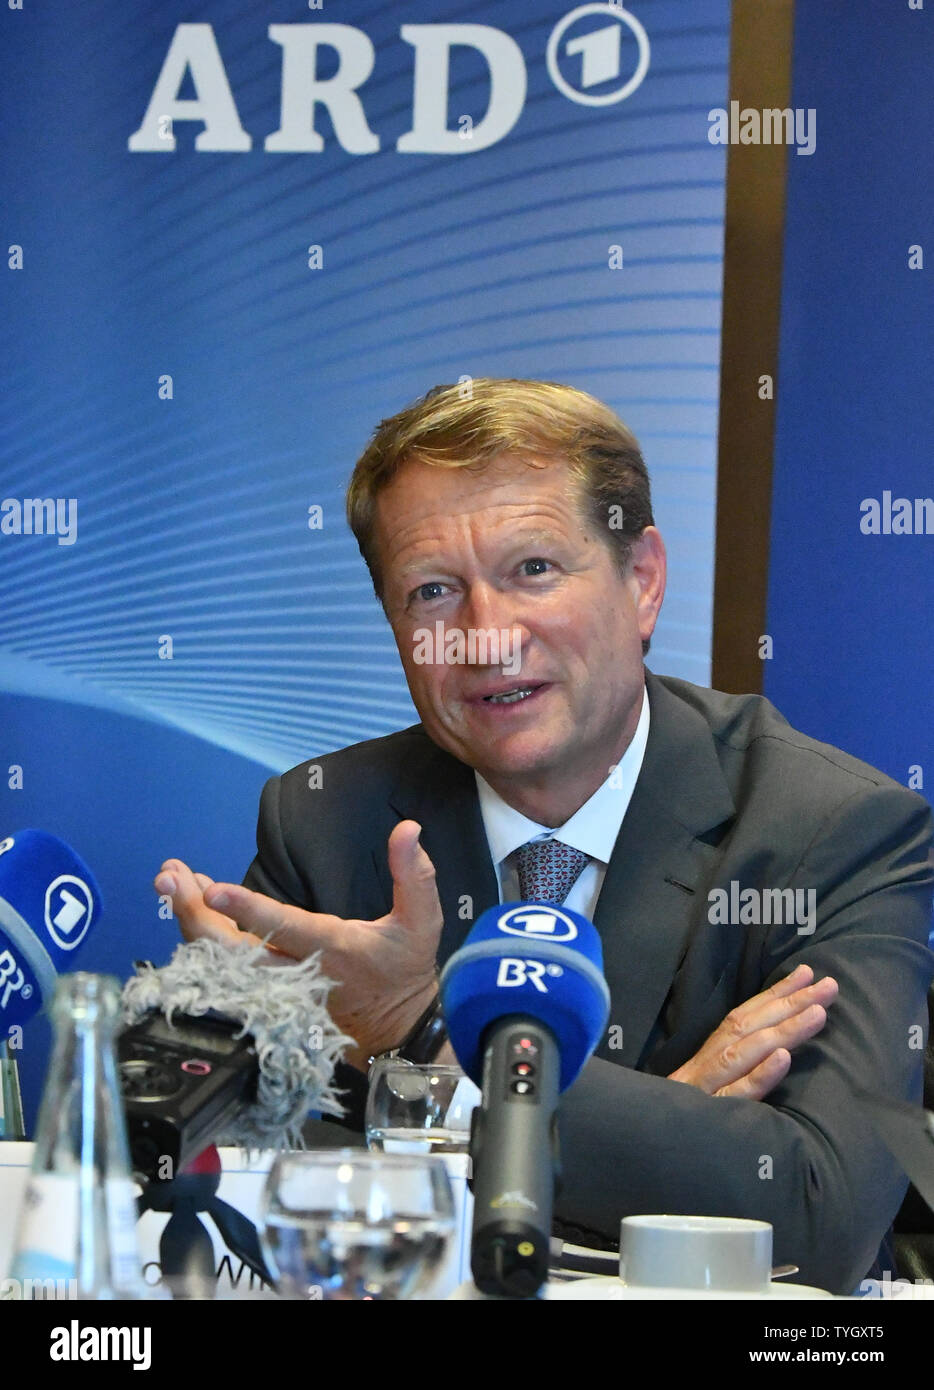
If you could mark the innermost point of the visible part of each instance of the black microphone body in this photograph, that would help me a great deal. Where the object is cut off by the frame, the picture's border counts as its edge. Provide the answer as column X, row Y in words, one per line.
column 514, row 1152
column 526, row 1004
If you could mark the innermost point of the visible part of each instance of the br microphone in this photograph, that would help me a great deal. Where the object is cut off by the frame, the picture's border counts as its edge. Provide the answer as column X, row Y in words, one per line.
column 525, row 1004
column 49, row 902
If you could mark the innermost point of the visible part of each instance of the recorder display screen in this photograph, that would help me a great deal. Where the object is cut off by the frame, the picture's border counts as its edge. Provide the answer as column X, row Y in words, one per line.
column 192, row 1035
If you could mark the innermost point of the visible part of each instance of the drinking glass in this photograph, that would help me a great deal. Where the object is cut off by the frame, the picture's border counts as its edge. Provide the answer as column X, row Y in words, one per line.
column 350, row 1224
column 419, row 1108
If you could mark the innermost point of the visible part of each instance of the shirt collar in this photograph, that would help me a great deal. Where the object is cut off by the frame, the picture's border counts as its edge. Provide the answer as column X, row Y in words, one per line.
column 593, row 828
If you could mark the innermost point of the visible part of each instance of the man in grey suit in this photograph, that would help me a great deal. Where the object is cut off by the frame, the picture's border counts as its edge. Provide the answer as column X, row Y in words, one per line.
column 757, row 893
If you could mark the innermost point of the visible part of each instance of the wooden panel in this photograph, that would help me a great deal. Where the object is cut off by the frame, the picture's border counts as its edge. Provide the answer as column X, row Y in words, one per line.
column 760, row 77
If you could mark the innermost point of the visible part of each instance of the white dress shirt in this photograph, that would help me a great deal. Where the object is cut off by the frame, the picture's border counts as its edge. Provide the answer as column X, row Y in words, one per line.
column 593, row 828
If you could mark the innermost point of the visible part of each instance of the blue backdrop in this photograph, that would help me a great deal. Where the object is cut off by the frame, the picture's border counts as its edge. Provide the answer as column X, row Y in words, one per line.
column 181, row 364
column 850, row 610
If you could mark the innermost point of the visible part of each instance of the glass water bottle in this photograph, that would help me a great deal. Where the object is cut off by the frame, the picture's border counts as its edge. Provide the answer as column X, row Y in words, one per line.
column 11, row 1101
column 78, row 1219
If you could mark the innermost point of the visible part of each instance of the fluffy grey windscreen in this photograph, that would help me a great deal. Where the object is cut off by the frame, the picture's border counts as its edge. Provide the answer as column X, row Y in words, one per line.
column 282, row 1007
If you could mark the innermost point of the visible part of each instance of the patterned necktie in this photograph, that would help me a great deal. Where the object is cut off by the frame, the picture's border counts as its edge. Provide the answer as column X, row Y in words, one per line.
column 548, row 870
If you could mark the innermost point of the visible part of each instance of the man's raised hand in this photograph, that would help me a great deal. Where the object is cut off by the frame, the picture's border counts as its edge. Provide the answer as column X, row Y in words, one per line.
column 384, row 970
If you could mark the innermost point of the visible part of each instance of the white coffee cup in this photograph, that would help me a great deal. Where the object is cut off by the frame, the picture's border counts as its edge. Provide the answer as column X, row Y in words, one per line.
column 695, row 1252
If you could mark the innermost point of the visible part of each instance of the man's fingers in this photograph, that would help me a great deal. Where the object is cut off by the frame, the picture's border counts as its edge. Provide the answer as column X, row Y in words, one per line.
column 415, row 900
column 740, row 1058
column 757, row 1084
column 299, row 933
column 176, row 879
column 767, row 1010
column 195, row 917
column 799, row 977
column 716, row 1066
column 744, row 1056
column 290, row 929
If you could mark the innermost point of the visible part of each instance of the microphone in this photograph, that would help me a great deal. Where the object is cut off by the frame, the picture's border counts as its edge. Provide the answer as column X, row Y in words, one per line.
column 525, row 1004
column 49, row 902
column 220, row 1046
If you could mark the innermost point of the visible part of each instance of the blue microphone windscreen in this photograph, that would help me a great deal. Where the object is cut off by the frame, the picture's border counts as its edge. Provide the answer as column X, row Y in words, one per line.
column 528, row 958
column 49, row 901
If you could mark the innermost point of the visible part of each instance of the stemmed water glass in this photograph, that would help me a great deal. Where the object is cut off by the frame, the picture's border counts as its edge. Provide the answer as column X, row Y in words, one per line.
column 351, row 1224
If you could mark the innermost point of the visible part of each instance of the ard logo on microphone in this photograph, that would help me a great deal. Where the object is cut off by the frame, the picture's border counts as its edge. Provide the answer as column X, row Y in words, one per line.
column 539, row 923
column 68, row 910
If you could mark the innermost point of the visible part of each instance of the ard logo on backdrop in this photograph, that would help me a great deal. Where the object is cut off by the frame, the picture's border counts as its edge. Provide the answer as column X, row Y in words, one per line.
column 593, row 57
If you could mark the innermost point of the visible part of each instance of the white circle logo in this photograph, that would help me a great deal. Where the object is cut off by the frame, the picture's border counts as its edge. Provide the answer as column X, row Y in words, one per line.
column 599, row 52
column 69, row 906
column 538, row 924
column 6, row 844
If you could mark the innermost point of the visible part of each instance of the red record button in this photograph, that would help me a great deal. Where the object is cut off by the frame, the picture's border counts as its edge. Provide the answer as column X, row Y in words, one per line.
column 523, row 1069
column 196, row 1067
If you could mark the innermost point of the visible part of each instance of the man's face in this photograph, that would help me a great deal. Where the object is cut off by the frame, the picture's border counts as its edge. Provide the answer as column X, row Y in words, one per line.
column 509, row 549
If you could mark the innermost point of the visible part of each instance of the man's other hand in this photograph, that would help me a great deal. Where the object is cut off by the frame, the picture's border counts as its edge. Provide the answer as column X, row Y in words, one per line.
column 384, row 970
column 750, row 1053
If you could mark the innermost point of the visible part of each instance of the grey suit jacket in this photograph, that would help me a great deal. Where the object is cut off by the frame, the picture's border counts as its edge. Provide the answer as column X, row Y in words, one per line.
column 728, row 793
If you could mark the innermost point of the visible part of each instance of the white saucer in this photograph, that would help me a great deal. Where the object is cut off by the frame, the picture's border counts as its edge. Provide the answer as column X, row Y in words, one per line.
column 607, row 1288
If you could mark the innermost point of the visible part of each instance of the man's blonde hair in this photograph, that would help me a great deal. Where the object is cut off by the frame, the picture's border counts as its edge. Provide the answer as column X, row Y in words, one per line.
column 469, row 424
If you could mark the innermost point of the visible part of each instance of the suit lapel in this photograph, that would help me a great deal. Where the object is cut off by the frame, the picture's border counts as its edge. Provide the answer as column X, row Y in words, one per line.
column 649, row 897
